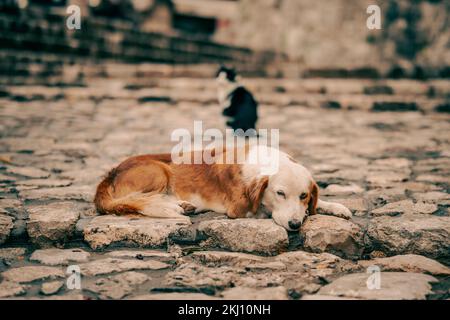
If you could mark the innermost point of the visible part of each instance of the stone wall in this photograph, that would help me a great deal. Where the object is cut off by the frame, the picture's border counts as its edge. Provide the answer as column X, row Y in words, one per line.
column 331, row 34
column 36, row 42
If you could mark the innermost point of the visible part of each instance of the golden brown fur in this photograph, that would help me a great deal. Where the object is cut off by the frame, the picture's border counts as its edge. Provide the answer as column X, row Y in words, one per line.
column 126, row 189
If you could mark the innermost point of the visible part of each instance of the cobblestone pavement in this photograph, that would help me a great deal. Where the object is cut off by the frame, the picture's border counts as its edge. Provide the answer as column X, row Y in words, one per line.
column 380, row 148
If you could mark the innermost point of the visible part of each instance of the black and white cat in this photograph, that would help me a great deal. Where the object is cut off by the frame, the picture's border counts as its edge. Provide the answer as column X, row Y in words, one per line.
column 237, row 102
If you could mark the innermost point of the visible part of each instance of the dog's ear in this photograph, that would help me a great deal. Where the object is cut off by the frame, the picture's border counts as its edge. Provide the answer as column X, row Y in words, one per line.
column 312, row 205
column 255, row 192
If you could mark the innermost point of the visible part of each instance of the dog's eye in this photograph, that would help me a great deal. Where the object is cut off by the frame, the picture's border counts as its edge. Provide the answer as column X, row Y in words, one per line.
column 303, row 196
column 281, row 194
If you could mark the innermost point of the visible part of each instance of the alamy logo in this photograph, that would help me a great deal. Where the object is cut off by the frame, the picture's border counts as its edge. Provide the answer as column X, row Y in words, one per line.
column 374, row 21
column 207, row 145
column 74, row 20
column 74, row 279
column 374, row 280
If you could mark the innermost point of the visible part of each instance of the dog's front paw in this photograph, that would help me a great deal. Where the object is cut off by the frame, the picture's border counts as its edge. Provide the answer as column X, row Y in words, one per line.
column 341, row 211
column 188, row 208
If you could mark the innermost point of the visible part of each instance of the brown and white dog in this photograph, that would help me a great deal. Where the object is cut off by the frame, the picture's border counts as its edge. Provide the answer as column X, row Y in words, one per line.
column 154, row 186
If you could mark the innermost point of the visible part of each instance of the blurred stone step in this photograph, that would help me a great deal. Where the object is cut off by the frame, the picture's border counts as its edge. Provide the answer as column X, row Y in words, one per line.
column 197, row 93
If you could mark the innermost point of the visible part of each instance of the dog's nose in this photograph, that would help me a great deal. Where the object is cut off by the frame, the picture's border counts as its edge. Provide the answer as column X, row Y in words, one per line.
column 294, row 224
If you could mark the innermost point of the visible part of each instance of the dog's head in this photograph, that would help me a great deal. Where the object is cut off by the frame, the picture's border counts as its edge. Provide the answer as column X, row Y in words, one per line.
column 226, row 75
column 289, row 195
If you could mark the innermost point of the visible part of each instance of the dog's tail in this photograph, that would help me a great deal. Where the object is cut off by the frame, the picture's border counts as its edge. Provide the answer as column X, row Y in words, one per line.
column 106, row 203
column 157, row 204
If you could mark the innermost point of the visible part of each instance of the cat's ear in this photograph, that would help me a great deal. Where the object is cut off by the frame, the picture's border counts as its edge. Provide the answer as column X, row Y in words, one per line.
column 232, row 74
column 221, row 69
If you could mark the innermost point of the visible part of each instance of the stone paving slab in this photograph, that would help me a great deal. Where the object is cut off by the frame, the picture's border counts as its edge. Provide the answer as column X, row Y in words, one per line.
column 106, row 230
column 393, row 286
column 260, row 236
